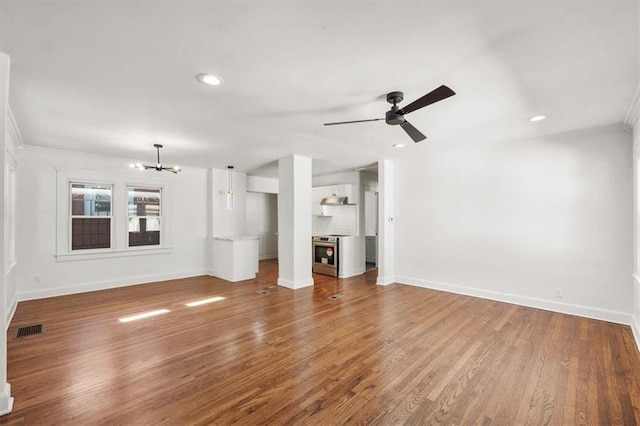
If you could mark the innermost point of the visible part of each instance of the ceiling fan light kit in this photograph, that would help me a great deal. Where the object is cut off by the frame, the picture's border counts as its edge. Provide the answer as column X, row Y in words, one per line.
column 395, row 116
column 158, row 166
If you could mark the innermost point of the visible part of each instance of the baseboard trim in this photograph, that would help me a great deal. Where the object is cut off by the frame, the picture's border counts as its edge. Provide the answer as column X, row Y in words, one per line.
column 384, row 280
column 105, row 285
column 635, row 327
column 12, row 310
column 353, row 274
column 532, row 302
column 268, row 256
column 295, row 285
column 6, row 400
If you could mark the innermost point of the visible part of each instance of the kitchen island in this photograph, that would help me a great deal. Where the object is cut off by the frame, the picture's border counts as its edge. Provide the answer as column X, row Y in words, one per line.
column 234, row 258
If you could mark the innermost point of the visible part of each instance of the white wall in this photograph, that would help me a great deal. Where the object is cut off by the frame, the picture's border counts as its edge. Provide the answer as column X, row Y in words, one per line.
column 7, row 273
column 336, row 220
column 369, row 180
column 225, row 221
column 262, row 184
column 636, row 212
column 514, row 221
column 262, row 220
column 186, row 205
column 352, row 178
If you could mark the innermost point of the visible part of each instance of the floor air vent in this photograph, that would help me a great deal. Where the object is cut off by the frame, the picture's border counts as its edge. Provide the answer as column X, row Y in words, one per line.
column 266, row 290
column 336, row 296
column 29, row 330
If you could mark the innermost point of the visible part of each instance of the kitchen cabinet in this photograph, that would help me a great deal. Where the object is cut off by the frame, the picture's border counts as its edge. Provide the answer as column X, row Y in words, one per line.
column 320, row 192
column 317, row 194
column 235, row 258
column 343, row 190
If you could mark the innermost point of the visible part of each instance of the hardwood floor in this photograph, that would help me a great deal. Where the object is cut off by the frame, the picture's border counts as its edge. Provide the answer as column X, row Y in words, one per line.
column 376, row 355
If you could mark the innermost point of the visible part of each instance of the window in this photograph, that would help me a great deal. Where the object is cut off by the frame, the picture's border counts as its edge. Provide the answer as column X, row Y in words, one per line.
column 103, row 214
column 90, row 216
column 144, row 216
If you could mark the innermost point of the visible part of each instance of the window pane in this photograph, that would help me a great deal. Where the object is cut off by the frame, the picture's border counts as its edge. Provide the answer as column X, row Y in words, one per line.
column 90, row 233
column 144, row 231
column 144, row 201
column 89, row 199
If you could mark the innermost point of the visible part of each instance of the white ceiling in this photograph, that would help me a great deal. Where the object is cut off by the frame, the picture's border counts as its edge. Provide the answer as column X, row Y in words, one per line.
column 114, row 78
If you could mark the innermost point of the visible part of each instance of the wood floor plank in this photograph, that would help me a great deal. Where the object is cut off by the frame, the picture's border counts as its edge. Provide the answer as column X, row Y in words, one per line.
column 378, row 355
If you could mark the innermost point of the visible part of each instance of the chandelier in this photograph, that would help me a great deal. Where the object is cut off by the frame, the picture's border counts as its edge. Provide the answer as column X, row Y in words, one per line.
column 158, row 166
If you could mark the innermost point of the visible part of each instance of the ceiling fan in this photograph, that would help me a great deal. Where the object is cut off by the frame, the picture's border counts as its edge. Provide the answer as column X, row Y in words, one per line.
column 396, row 114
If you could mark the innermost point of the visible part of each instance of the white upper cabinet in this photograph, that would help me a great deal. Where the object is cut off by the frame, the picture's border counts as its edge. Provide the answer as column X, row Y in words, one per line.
column 320, row 192
column 317, row 194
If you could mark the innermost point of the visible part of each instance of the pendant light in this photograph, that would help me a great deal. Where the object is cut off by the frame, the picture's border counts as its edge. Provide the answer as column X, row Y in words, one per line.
column 230, row 191
column 158, row 166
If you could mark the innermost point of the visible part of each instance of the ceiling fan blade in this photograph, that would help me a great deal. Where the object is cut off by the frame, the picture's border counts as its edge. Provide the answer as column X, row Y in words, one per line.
column 355, row 121
column 413, row 133
column 436, row 95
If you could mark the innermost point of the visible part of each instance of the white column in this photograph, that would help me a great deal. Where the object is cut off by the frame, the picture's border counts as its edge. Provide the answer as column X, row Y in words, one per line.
column 635, row 324
column 6, row 401
column 294, row 222
column 386, row 248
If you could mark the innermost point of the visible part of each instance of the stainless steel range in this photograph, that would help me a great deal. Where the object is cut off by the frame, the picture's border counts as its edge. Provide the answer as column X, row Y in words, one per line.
column 325, row 255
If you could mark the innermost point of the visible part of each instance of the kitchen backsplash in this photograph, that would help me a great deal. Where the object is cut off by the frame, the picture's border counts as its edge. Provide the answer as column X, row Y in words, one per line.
column 339, row 220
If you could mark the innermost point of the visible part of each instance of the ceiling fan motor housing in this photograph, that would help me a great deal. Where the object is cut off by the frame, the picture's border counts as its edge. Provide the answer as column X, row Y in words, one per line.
column 392, row 117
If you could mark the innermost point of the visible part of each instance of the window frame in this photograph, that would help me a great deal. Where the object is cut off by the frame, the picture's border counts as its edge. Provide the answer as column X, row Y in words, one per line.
column 160, row 215
column 71, row 216
column 119, row 216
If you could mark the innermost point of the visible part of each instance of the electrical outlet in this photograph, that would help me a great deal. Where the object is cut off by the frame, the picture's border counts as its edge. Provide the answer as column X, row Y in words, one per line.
column 559, row 293
column 37, row 279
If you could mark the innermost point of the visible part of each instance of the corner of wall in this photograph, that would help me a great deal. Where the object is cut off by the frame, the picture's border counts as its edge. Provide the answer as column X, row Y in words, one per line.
column 12, row 310
column 6, row 400
column 635, row 327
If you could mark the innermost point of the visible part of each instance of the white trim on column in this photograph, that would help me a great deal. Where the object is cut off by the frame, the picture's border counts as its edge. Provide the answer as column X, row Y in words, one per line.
column 633, row 114
column 6, row 400
column 12, row 311
column 386, row 238
column 12, row 128
column 635, row 318
column 295, row 285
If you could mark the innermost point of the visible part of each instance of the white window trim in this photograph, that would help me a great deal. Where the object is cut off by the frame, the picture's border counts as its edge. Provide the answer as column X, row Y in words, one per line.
column 10, row 213
column 71, row 216
column 119, row 216
column 161, row 217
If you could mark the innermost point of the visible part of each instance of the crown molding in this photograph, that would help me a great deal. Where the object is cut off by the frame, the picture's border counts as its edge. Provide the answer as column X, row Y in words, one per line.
column 13, row 129
column 633, row 114
column 86, row 155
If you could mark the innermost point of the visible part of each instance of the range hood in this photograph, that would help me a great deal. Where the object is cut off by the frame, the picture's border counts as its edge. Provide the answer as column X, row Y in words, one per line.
column 335, row 201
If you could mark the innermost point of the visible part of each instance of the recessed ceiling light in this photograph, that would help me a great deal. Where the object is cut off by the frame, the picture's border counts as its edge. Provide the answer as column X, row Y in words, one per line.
column 210, row 79
column 398, row 145
column 537, row 118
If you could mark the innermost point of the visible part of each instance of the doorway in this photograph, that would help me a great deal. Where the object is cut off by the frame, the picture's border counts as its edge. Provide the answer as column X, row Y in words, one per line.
column 371, row 229
column 262, row 221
